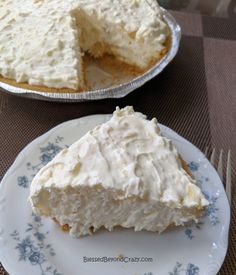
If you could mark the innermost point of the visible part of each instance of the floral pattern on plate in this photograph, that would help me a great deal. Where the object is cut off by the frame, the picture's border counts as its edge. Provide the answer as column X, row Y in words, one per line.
column 30, row 246
column 32, row 242
column 211, row 211
column 47, row 153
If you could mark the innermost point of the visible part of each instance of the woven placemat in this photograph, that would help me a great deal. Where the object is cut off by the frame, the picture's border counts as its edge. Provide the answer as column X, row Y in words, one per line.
column 195, row 96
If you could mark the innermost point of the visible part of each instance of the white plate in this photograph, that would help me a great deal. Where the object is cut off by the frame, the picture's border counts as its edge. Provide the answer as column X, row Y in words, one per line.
column 31, row 245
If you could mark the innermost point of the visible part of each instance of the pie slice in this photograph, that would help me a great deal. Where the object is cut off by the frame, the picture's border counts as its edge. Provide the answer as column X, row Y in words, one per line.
column 122, row 173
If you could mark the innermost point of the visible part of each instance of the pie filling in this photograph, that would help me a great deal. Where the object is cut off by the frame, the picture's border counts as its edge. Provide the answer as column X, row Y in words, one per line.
column 122, row 173
column 43, row 42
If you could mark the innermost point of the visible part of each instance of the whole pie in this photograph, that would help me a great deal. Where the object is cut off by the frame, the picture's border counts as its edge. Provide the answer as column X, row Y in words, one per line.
column 122, row 173
column 43, row 42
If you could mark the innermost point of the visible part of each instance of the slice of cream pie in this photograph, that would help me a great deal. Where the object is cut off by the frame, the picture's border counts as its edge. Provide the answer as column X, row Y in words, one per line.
column 122, row 173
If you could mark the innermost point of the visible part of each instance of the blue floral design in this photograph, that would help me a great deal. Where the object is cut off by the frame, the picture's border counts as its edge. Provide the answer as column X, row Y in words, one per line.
column 31, row 247
column 190, row 270
column 36, row 258
column 211, row 212
column 189, row 233
column 39, row 236
column 212, row 209
column 193, row 166
column 47, row 153
column 23, row 182
column 25, row 248
column 201, row 180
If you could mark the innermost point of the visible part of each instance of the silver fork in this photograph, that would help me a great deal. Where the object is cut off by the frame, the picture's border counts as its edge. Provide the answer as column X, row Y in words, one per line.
column 219, row 168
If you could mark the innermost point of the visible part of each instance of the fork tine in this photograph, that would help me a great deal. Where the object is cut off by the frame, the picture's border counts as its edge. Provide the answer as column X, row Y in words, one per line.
column 206, row 151
column 220, row 165
column 212, row 160
column 228, row 177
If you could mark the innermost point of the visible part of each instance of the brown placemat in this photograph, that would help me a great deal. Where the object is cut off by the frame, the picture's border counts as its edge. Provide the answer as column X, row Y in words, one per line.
column 195, row 96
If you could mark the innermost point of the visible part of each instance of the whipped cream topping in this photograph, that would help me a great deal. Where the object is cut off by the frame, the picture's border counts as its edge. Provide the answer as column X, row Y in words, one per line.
column 124, row 168
column 127, row 155
column 132, row 30
column 41, row 40
column 39, row 45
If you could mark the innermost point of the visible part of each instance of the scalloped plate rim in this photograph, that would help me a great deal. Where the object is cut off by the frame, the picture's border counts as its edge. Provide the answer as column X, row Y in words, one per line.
column 22, row 154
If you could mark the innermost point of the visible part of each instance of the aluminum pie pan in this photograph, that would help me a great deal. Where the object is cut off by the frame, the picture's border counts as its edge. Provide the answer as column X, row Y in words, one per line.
column 117, row 91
